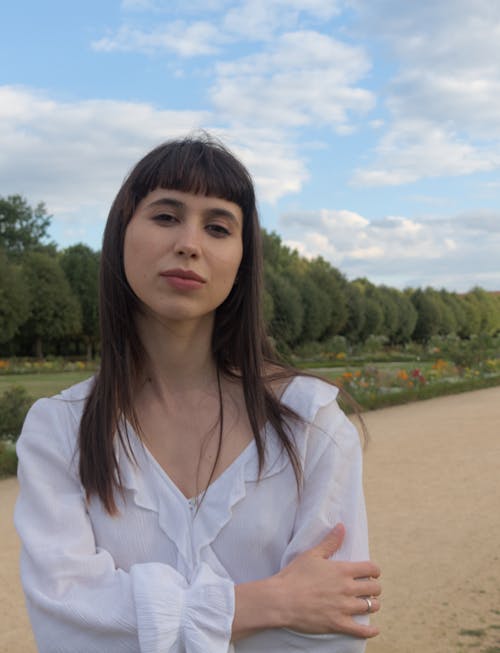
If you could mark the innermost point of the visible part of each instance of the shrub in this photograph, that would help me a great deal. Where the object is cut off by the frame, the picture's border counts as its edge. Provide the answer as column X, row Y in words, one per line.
column 14, row 404
column 8, row 459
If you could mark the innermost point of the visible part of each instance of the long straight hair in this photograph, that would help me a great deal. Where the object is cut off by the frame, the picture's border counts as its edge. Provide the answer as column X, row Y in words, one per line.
column 239, row 343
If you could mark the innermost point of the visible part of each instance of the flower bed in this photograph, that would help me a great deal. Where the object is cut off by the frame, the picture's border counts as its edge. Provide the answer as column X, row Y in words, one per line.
column 30, row 366
column 373, row 387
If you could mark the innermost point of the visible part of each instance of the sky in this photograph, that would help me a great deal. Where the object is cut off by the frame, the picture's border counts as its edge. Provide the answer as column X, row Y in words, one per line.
column 371, row 127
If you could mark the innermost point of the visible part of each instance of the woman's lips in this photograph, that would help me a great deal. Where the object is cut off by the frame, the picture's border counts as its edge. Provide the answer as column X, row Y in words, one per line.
column 183, row 279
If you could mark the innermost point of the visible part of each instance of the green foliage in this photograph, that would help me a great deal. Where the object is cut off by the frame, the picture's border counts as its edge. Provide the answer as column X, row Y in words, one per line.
column 407, row 319
column 288, row 313
column 468, row 353
column 55, row 312
column 8, row 459
column 472, row 323
column 14, row 404
column 373, row 319
column 317, row 310
column 281, row 257
column 81, row 268
column 454, row 303
column 429, row 314
column 488, row 309
column 14, row 299
column 22, row 228
column 356, row 313
column 333, row 284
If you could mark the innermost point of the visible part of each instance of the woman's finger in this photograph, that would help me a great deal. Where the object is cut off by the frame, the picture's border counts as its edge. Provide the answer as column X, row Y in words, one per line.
column 367, row 605
column 330, row 543
column 366, row 588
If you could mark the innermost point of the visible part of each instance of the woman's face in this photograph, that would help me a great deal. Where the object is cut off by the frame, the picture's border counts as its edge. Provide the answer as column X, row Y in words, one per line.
column 182, row 253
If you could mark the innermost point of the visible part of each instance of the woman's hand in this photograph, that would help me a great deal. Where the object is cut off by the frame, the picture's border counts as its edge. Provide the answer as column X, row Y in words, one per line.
column 311, row 595
column 319, row 595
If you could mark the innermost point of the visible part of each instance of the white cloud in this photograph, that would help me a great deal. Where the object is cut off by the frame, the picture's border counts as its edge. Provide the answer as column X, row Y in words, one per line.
column 417, row 149
column 443, row 99
column 74, row 155
column 400, row 251
column 304, row 78
column 250, row 20
column 261, row 19
column 184, row 39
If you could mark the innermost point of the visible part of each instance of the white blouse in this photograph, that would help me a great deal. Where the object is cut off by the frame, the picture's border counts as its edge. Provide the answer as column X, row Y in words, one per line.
column 160, row 576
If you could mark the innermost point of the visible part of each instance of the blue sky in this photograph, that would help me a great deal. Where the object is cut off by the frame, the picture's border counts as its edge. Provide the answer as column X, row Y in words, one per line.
column 371, row 127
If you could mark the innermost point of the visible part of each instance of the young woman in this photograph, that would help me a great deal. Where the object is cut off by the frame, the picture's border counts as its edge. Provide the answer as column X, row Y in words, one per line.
column 185, row 498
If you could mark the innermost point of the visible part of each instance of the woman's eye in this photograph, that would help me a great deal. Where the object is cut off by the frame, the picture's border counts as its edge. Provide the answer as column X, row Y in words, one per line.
column 164, row 218
column 218, row 230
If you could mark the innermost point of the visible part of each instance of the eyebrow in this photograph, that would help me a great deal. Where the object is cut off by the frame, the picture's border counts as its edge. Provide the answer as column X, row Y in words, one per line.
column 177, row 204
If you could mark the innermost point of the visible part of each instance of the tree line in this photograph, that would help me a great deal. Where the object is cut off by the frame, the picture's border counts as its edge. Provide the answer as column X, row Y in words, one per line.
column 49, row 297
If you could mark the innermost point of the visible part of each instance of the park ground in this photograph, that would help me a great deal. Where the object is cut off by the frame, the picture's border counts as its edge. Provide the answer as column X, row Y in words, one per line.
column 432, row 485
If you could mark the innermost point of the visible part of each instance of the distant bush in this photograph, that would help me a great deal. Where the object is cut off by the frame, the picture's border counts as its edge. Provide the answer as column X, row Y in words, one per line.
column 8, row 459
column 14, row 404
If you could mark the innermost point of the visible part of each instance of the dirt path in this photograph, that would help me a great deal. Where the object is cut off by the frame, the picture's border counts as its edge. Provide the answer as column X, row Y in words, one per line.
column 432, row 478
column 15, row 631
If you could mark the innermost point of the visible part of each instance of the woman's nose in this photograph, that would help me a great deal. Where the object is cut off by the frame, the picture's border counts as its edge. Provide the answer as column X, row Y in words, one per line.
column 188, row 242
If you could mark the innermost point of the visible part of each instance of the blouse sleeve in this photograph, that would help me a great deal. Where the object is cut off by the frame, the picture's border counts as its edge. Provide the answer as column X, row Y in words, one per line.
column 78, row 601
column 332, row 492
column 332, row 488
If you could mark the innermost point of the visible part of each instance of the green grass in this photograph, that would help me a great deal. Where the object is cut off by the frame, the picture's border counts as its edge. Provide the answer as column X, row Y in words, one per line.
column 44, row 384
column 473, row 632
column 481, row 638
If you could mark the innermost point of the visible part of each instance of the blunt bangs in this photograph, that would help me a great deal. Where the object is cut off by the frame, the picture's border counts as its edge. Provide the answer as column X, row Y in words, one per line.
column 193, row 165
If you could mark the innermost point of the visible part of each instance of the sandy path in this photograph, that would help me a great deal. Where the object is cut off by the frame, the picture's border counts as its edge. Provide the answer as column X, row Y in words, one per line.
column 15, row 632
column 432, row 478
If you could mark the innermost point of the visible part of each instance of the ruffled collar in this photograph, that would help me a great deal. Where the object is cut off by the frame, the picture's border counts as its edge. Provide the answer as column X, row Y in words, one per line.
column 193, row 529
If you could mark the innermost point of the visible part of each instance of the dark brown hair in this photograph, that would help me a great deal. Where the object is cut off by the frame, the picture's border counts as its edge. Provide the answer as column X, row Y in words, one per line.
column 240, row 345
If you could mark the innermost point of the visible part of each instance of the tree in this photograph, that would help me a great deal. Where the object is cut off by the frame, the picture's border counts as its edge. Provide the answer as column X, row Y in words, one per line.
column 453, row 302
column 279, row 256
column 407, row 318
column 55, row 312
column 472, row 310
column 356, row 313
column 333, row 284
column 317, row 310
column 428, row 319
column 81, row 267
column 14, row 299
column 288, row 311
column 373, row 313
column 374, row 319
column 22, row 228
column 488, row 311
column 388, row 303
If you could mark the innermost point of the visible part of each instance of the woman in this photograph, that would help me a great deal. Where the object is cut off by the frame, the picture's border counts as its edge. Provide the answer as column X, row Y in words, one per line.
column 185, row 498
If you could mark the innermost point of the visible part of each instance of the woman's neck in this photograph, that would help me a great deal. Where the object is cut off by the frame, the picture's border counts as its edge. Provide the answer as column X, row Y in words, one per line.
column 179, row 356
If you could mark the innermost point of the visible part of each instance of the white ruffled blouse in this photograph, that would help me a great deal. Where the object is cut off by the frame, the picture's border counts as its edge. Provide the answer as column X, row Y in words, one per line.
column 160, row 576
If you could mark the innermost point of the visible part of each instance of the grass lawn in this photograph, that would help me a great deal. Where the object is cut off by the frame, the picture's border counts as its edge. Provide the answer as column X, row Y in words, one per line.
column 43, row 385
